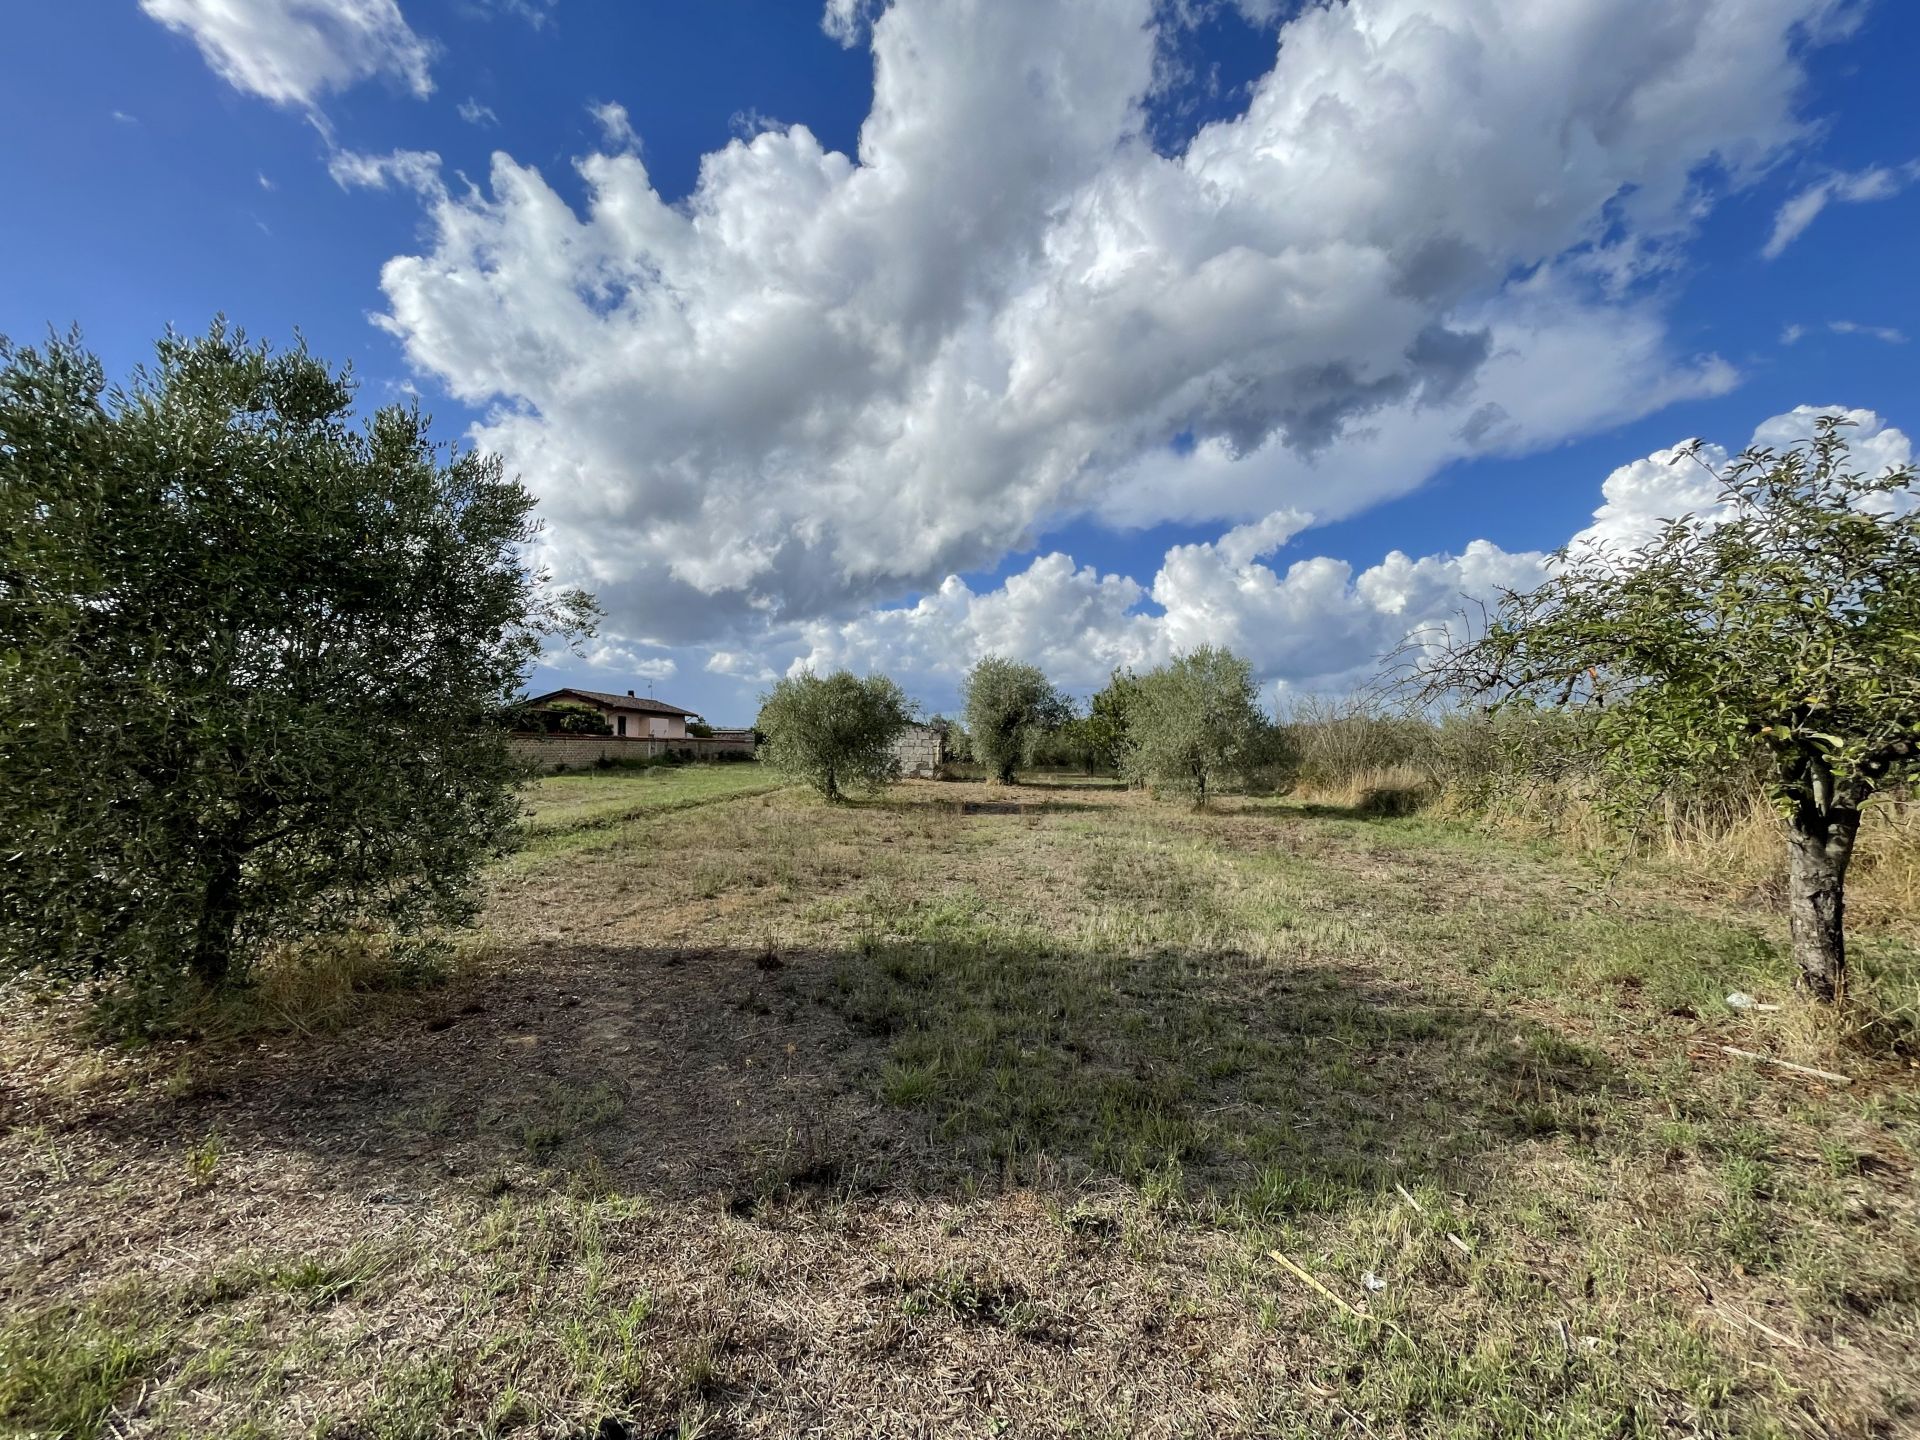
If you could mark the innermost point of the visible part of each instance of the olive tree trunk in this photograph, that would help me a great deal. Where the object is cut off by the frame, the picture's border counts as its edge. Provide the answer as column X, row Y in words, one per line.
column 213, row 941
column 1819, row 845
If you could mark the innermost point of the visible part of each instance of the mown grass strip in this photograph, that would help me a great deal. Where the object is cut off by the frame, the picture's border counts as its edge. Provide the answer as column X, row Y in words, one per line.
column 566, row 802
column 608, row 820
column 568, row 834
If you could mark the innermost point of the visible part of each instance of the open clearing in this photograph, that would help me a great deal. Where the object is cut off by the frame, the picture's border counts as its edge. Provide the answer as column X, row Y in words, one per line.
column 749, row 1115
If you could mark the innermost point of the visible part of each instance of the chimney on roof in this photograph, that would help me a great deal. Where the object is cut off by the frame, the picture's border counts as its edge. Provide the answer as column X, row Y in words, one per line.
column 630, row 695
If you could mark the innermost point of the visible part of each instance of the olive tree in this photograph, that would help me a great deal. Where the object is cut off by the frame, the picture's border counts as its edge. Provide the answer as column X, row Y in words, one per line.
column 1782, row 625
column 1107, row 726
column 1009, row 706
column 1195, row 722
column 257, row 661
column 835, row 732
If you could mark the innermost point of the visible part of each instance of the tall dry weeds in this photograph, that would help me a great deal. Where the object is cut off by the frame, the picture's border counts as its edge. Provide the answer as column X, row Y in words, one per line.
column 1542, row 775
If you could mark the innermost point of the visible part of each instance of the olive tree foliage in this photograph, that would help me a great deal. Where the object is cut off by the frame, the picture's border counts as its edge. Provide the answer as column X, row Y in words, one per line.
column 1783, row 627
column 563, row 717
column 1009, row 707
column 1195, row 723
column 1108, row 726
column 256, row 659
column 959, row 743
column 1072, row 746
column 836, row 732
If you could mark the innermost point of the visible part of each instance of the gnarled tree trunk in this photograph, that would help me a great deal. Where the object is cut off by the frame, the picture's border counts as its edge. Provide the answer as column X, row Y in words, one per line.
column 1819, row 845
column 213, row 940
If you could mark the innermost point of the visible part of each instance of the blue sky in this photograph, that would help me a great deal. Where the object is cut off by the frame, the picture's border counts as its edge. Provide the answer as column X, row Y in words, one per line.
column 1147, row 323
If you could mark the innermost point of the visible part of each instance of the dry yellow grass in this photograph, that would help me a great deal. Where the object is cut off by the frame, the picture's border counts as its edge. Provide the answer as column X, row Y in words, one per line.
column 770, row 1118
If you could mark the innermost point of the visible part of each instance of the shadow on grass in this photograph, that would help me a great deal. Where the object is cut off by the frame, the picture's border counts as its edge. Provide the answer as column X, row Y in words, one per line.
column 1270, row 1087
column 1078, row 782
column 938, row 1066
column 1393, row 803
column 1026, row 800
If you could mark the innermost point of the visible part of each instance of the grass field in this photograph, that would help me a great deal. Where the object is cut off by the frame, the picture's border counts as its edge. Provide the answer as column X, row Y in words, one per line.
column 596, row 809
column 974, row 1112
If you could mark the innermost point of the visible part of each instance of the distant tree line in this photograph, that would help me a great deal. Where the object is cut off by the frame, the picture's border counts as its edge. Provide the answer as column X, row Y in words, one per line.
column 1188, row 727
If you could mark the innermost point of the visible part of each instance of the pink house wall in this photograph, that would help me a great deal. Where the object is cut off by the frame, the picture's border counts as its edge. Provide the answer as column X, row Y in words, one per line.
column 641, row 725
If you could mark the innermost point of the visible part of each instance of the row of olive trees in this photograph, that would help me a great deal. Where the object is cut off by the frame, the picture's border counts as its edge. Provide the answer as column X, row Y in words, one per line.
column 1187, row 727
column 838, row 732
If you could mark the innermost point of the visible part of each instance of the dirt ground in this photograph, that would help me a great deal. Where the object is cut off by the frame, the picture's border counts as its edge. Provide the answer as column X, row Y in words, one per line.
column 970, row 1111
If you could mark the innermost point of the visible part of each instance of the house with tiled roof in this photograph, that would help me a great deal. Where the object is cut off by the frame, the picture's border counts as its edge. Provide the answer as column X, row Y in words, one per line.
column 628, row 716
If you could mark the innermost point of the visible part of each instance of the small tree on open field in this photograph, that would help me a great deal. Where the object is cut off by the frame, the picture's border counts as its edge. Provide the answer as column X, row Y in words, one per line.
column 1009, row 706
column 257, row 661
column 1786, row 621
column 1108, row 724
column 836, row 732
column 1196, row 722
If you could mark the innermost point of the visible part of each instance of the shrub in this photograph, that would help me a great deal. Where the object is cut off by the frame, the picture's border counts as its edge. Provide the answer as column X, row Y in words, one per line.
column 563, row 717
column 1336, row 744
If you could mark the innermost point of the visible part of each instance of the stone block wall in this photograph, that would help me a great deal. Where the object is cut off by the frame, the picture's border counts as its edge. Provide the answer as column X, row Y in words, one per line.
column 576, row 752
column 922, row 751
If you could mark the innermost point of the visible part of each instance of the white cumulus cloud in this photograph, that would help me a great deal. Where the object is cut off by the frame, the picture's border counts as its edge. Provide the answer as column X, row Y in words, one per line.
column 1314, row 624
column 822, row 379
column 1686, row 478
column 604, row 655
column 294, row 51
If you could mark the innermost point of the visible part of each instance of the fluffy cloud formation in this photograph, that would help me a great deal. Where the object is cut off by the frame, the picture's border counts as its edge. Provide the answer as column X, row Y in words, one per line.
column 293, row 51
column 821, row 379
column 616, row 129
column 626, row 660
column 1881, row 182
column 1314, row 625
column 1686, row 479
column 847, row 20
